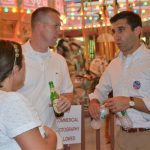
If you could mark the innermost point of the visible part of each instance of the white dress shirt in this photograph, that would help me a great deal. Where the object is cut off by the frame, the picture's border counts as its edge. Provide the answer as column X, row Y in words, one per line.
column 128, row 76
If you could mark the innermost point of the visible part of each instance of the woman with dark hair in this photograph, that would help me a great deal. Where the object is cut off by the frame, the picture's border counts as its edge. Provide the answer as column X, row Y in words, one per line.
column 20, row 127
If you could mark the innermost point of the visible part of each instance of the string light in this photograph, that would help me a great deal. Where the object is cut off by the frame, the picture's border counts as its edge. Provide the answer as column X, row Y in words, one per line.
column 78, row 18
column 63, row 18
column 14, row 10
column 145, row 19
column 100, row 12
column 97, row 7
column 143, row 11
column 81, row 13
column 95, row 16
column 94, row 26
column 136, row 11
column 121, row 5
column 22, row 10
column 6, row 9
column 72, row 14
column 145, row 3
column 72, row 9
column 90, row 18
column 72, row 18
column 70, row 28
column 75, row 27
column 28, row 11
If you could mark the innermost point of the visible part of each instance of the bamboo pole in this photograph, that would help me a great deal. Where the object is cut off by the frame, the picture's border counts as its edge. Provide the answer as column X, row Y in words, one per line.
column 84, row 32
column 115, row 7
column 127, row 5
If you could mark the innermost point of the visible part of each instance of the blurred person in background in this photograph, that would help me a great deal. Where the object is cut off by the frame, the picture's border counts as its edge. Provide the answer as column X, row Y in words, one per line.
column 20, row 126
column 43, row 66
column 77, row 56
column 63, row 48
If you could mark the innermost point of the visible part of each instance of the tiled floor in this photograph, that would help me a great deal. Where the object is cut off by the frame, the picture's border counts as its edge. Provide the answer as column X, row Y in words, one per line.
column 90, row 139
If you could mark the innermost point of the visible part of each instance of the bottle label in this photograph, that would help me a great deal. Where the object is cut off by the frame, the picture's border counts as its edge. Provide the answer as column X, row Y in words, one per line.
column 103, row 112
column 55, row 106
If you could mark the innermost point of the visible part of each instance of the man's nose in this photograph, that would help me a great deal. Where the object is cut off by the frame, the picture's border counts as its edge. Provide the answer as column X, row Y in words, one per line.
column 116, row 36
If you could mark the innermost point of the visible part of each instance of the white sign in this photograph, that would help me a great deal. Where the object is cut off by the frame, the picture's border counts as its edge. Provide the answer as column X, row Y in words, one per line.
column 69, row 126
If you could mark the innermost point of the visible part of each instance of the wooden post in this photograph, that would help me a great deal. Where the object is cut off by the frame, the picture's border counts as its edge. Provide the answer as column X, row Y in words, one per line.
column 115, row 7
column 112, row 131
column 97, row 132
column 127, row 5
column 82, row 129
column 98, row 140
column 66, row 147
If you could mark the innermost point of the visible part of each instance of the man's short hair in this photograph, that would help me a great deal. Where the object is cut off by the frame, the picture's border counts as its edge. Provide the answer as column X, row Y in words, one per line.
column 40, row 13
column 133, row 19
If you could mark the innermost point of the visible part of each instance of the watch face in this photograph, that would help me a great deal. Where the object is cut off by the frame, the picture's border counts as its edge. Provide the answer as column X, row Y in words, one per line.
column 132, row 103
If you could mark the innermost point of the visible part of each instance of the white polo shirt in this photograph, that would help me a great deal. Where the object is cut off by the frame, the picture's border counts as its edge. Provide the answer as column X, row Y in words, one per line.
column 40, row 69
column 128, row 76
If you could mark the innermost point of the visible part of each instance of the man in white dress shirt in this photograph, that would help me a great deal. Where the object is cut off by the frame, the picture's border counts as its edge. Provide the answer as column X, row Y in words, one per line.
column 43, row 66
column 128, row 76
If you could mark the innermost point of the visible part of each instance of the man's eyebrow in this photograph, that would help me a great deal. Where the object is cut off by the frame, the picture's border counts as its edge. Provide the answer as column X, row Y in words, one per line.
column 119, row 27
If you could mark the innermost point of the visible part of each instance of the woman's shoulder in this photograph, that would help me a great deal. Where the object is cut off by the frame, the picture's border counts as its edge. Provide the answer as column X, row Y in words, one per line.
column 12, row 99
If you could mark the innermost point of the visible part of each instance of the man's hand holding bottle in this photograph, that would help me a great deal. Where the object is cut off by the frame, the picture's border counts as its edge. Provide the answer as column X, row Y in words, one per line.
column 63, row 104
column 117, row 104
column 94, row 109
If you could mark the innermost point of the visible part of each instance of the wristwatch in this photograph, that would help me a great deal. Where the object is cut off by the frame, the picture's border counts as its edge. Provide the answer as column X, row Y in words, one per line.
column 131, row 102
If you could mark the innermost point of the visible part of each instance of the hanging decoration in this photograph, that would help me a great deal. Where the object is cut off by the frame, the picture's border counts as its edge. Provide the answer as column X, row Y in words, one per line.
column 95, row 11
column 91, row 47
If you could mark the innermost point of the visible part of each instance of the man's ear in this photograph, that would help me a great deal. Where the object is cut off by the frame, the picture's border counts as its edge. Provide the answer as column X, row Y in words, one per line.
column 138, row 31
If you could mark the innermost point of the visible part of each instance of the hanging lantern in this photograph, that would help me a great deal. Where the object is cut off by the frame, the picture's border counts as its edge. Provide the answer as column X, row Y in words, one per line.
column 106, row 45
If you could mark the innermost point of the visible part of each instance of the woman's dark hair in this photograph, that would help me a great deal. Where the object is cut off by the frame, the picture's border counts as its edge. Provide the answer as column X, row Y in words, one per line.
column 10, row 55
column 133, row 19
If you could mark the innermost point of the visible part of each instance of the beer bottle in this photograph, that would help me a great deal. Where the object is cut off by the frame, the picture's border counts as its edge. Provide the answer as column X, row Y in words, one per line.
column 124, row 119
column 54, row 96
column 96, row 124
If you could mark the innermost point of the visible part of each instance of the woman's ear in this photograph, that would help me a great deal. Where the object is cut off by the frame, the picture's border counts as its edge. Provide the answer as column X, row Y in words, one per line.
column 15, row 69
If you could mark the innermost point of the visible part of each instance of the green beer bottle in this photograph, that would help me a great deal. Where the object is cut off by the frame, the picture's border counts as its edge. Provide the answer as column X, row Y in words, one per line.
column 54, row 96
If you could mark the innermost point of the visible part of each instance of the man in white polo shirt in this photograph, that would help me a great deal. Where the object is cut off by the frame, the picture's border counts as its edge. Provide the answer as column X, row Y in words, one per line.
column 43, row 66
column 128, row 76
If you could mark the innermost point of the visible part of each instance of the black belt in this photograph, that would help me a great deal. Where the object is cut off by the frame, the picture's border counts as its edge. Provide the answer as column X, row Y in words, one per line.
column 133, row 130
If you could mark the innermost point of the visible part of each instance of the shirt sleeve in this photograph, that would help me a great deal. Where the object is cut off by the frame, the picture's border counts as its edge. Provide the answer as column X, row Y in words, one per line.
column 19, row 116
column 103, row 88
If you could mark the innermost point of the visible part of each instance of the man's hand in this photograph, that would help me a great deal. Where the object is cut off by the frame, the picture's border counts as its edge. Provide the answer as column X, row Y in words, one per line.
column 116, row 104
column 94, row 109
column 63, row 104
